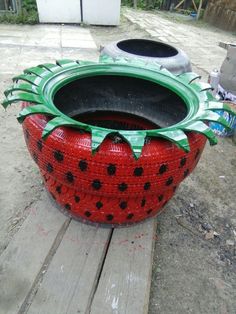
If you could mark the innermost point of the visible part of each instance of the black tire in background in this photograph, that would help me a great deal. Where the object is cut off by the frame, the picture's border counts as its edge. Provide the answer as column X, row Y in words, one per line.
column 173, row 59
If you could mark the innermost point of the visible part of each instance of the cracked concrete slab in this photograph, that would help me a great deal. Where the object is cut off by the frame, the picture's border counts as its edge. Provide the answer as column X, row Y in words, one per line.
column 46, row 36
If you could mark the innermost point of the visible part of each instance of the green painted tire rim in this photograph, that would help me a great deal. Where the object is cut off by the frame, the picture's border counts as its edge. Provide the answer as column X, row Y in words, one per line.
column 38, row 85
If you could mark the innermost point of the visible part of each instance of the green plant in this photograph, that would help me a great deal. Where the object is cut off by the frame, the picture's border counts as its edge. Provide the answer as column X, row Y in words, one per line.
column 29, row 5
column 27, row 15
column 127, row 2
column 144, row 4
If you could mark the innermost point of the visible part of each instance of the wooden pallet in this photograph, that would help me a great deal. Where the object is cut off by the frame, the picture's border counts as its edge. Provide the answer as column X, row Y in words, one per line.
column 55, row 265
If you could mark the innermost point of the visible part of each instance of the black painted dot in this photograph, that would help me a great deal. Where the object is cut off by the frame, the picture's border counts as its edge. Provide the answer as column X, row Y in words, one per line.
column 197, row 153
column 109, row 217
column 49, row 168
column 70, row 177
column 27, row 135
column 87, row 214
column 182, row 162
column 111, row 170
column 138, row 171
column 99, row 205
column 96, row 184
column 40, row 145
column 160, row 198
column 58, row 156
column 130, row 216
column 58, row 189
column 147, row 186
column 186, row 172
column 149, row 211
column 123, row 205
column 143, row 202
column 83, row 165
column 169, row 181
column 122, row 187
column 35, row 157
column 67, row 206
column 77, row 198
column 163, row 168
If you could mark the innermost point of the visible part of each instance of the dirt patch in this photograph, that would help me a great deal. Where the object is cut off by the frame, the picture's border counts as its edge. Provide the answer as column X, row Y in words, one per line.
column 194, row 268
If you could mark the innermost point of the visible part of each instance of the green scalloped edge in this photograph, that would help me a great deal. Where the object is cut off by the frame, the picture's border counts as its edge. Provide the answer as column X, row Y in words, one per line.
column 29, row 87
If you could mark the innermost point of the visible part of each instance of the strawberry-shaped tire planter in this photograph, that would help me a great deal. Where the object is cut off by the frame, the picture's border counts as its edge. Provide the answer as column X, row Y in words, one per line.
column 113, row 140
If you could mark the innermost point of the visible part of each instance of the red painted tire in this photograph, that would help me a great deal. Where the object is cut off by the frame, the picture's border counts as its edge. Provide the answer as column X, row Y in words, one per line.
column 144, row 120
column 110, row 187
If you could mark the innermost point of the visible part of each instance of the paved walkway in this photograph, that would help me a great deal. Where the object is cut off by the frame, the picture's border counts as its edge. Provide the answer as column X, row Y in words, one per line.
column 27, row 45
column 200, row 43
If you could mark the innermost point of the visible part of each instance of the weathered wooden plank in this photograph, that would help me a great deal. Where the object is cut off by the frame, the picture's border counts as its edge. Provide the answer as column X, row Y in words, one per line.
column 69, row 283
column 22, row 260
column 124, row 284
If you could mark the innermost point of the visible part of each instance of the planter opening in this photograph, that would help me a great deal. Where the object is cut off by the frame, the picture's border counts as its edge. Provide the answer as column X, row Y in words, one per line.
column 147, row 48
column 120, row 103
column 116, row 120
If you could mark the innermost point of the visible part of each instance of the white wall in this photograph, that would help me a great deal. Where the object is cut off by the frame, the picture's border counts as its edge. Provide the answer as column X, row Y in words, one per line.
column 101, row 12
column 97, row 12
column 59, row 11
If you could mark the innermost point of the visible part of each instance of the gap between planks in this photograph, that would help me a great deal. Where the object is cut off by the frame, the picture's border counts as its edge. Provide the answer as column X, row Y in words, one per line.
column 69, row 267
column 104, row 271
column 124, row 285
column 69, row 284
column 24, row 256
column 29, row 298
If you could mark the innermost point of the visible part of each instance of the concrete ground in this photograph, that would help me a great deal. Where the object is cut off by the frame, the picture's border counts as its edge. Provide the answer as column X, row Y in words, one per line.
column 194, row 268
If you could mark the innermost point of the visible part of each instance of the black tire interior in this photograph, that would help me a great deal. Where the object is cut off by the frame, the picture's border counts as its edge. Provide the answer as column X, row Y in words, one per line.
column 120, row 102
column 147, row 48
